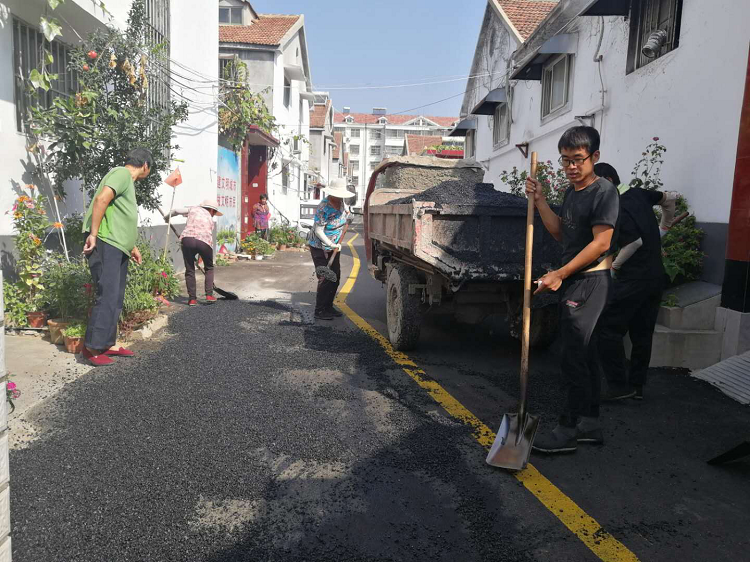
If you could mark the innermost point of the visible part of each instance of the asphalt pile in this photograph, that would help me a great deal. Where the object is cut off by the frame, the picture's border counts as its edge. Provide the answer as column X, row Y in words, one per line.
column 465, row 193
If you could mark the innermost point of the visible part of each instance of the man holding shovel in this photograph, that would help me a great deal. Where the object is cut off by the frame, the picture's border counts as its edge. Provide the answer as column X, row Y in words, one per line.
column 111, row 229
column 585, row 227
column 324, row 239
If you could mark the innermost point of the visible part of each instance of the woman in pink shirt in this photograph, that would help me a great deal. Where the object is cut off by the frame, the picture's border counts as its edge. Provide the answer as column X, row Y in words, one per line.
column 197, row 239
column 261, row 214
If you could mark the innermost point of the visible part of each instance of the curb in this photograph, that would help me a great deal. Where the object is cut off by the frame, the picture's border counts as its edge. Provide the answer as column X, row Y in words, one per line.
column 151, row 327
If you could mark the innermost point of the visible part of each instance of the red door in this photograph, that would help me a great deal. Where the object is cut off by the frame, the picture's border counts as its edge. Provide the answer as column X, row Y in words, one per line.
column 255, row 176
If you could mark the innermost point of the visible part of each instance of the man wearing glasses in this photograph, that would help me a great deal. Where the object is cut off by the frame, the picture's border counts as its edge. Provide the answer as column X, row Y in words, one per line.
column 585, row 227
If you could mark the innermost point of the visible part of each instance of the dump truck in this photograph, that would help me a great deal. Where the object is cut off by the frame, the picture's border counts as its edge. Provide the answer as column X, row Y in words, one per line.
column 442, row 241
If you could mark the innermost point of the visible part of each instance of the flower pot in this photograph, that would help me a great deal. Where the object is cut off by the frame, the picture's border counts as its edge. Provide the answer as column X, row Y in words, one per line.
column 259, row 257
column 73, row 345
column 56, row 326
column 37, row 319
column 282, row 247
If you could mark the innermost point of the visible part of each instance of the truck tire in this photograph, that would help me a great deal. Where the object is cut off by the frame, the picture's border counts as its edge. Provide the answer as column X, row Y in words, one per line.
column 402, row 309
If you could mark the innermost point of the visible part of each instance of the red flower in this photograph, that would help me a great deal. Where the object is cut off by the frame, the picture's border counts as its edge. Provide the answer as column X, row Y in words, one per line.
column 163, row 274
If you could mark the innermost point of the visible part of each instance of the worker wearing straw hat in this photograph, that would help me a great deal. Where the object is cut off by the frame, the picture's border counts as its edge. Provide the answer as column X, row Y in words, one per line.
column 325, row 237
column 197, row 239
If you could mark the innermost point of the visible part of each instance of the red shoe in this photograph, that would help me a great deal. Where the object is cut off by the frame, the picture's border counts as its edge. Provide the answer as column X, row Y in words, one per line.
column 120, row 352
column 210, row 299
column 96, row 360
column 193, row 302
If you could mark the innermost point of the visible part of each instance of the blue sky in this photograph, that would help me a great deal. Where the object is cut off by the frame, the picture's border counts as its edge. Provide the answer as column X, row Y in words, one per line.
column 388, row 42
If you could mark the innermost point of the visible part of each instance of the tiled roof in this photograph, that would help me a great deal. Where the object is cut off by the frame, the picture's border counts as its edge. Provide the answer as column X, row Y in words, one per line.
column 318, row 115
column 526, row 15
column 337, row 137
column 415, row 144
column 370, row 119
column 268, row 29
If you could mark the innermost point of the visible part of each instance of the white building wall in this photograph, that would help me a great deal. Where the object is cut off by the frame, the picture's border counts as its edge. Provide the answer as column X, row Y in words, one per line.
column 690, row 98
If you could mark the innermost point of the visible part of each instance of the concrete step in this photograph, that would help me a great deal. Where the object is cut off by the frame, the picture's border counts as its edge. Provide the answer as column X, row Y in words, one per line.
column 696, row 310
column 690, row 349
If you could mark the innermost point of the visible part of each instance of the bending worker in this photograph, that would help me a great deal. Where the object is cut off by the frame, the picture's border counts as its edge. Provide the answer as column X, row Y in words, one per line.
column 325, row 237
column 197, row 239
column 639, row 280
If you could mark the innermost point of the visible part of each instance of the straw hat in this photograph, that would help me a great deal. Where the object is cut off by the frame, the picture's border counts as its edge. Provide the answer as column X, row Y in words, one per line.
column 211, row 204
column 337, row 188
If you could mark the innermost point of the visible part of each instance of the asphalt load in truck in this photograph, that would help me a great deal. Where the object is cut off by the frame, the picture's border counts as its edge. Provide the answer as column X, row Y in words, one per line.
column 464, row 193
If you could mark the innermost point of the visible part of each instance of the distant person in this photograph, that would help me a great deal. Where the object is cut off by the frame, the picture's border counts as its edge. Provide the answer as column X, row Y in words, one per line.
column 639, row 280
column 261, row 216
column 197, row 240
column 111, row 228
column 585, row 227
column 325, row 236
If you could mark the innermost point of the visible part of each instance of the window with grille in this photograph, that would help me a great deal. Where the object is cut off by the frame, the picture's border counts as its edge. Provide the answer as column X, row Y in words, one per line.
column 375, row 150
column 374, row 165
column 500, row 125
column 158, row 35
column 393, row 150
column 354, row 150
column 284, row 179
column 470, row 147
column 355, row 166
column 555, row 84
column 28, row 49
column 230, row 15
column 354, row 133
column 375, row 135
column 287, row 92
column 647, row 19
column 355, row 180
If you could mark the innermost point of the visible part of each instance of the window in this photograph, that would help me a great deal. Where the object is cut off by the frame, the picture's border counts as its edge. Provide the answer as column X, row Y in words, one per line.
column 555, row 85
column 355, row 166
column 500, row 125
column 656, row 22
column 230, row 15
column 354, row 150
column 349, row 119
column 394, row 133
column 374, row 165
column 27, row 47
column 355, row 180
column 375, row 150
column 393, row 150
column 470, row 146
column 382, row 120
column 287, row 92
column 284, row 179
column 375, row 135
column 354, row 133
column 158, row 37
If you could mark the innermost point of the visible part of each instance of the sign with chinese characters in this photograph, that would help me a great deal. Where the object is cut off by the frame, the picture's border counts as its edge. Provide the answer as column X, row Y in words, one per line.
column 228, row 197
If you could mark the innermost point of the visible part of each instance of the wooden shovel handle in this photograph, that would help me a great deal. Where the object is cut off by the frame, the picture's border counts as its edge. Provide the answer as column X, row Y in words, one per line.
column 336, row 251
column 526, row 327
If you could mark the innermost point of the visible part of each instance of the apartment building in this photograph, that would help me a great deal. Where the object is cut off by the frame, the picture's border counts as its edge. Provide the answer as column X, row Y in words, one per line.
column 371, row 137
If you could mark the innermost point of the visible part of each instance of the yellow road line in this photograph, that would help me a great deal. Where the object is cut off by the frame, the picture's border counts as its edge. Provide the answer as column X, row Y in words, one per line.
column 585, row 527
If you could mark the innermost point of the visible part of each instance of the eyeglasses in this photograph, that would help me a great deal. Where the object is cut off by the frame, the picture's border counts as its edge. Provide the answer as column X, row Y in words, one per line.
column 566, row 162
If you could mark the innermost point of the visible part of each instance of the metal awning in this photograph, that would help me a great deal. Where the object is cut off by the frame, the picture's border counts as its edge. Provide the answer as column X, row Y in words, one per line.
column 608, row 8
column 468, row 124
column 531, row 69
column 309, row 96
column 490, row 102
column 258, row 137
column 294, row 72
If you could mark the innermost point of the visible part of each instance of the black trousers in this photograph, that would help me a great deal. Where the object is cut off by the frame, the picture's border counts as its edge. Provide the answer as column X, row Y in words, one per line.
column 109, row 271
column 632, row 308
column 582, row 300
column 326, row 289
column 190, row 248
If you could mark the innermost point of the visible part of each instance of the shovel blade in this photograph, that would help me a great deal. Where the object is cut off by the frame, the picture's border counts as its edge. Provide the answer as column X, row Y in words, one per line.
column 513, row 441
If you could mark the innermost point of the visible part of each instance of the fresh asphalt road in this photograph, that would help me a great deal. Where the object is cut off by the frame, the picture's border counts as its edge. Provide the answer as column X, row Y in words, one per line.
column 249, row 435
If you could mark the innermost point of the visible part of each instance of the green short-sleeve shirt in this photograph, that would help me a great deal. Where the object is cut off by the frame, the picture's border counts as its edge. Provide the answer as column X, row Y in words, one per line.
column 119, row 226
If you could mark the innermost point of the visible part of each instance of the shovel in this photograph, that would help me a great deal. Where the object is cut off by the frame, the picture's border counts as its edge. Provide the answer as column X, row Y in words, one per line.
column 230, row 296
column 325, row 271
column 513, row 441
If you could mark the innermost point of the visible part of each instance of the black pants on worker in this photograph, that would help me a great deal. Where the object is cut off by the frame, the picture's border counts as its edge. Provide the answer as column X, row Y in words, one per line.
column 582, row 300
column 632, row 308
column 326, row 289
column 109, row 272
column 190, row 248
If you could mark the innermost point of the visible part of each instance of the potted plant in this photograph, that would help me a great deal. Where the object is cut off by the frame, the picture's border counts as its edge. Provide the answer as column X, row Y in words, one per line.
column 74, row 335
column 69, row 293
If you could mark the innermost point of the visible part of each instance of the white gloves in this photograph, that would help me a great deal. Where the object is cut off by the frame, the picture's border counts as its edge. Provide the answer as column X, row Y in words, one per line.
column 668, row 205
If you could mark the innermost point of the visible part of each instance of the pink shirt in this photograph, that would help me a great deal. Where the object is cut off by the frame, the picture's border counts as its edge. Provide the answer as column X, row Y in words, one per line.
column 200, row 225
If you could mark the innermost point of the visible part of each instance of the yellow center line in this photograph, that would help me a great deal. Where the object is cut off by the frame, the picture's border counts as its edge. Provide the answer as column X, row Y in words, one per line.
column 585, row 527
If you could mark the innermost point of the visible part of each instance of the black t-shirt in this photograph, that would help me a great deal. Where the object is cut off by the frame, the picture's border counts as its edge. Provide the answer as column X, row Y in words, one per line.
column 637, row 220
column 599, row 203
